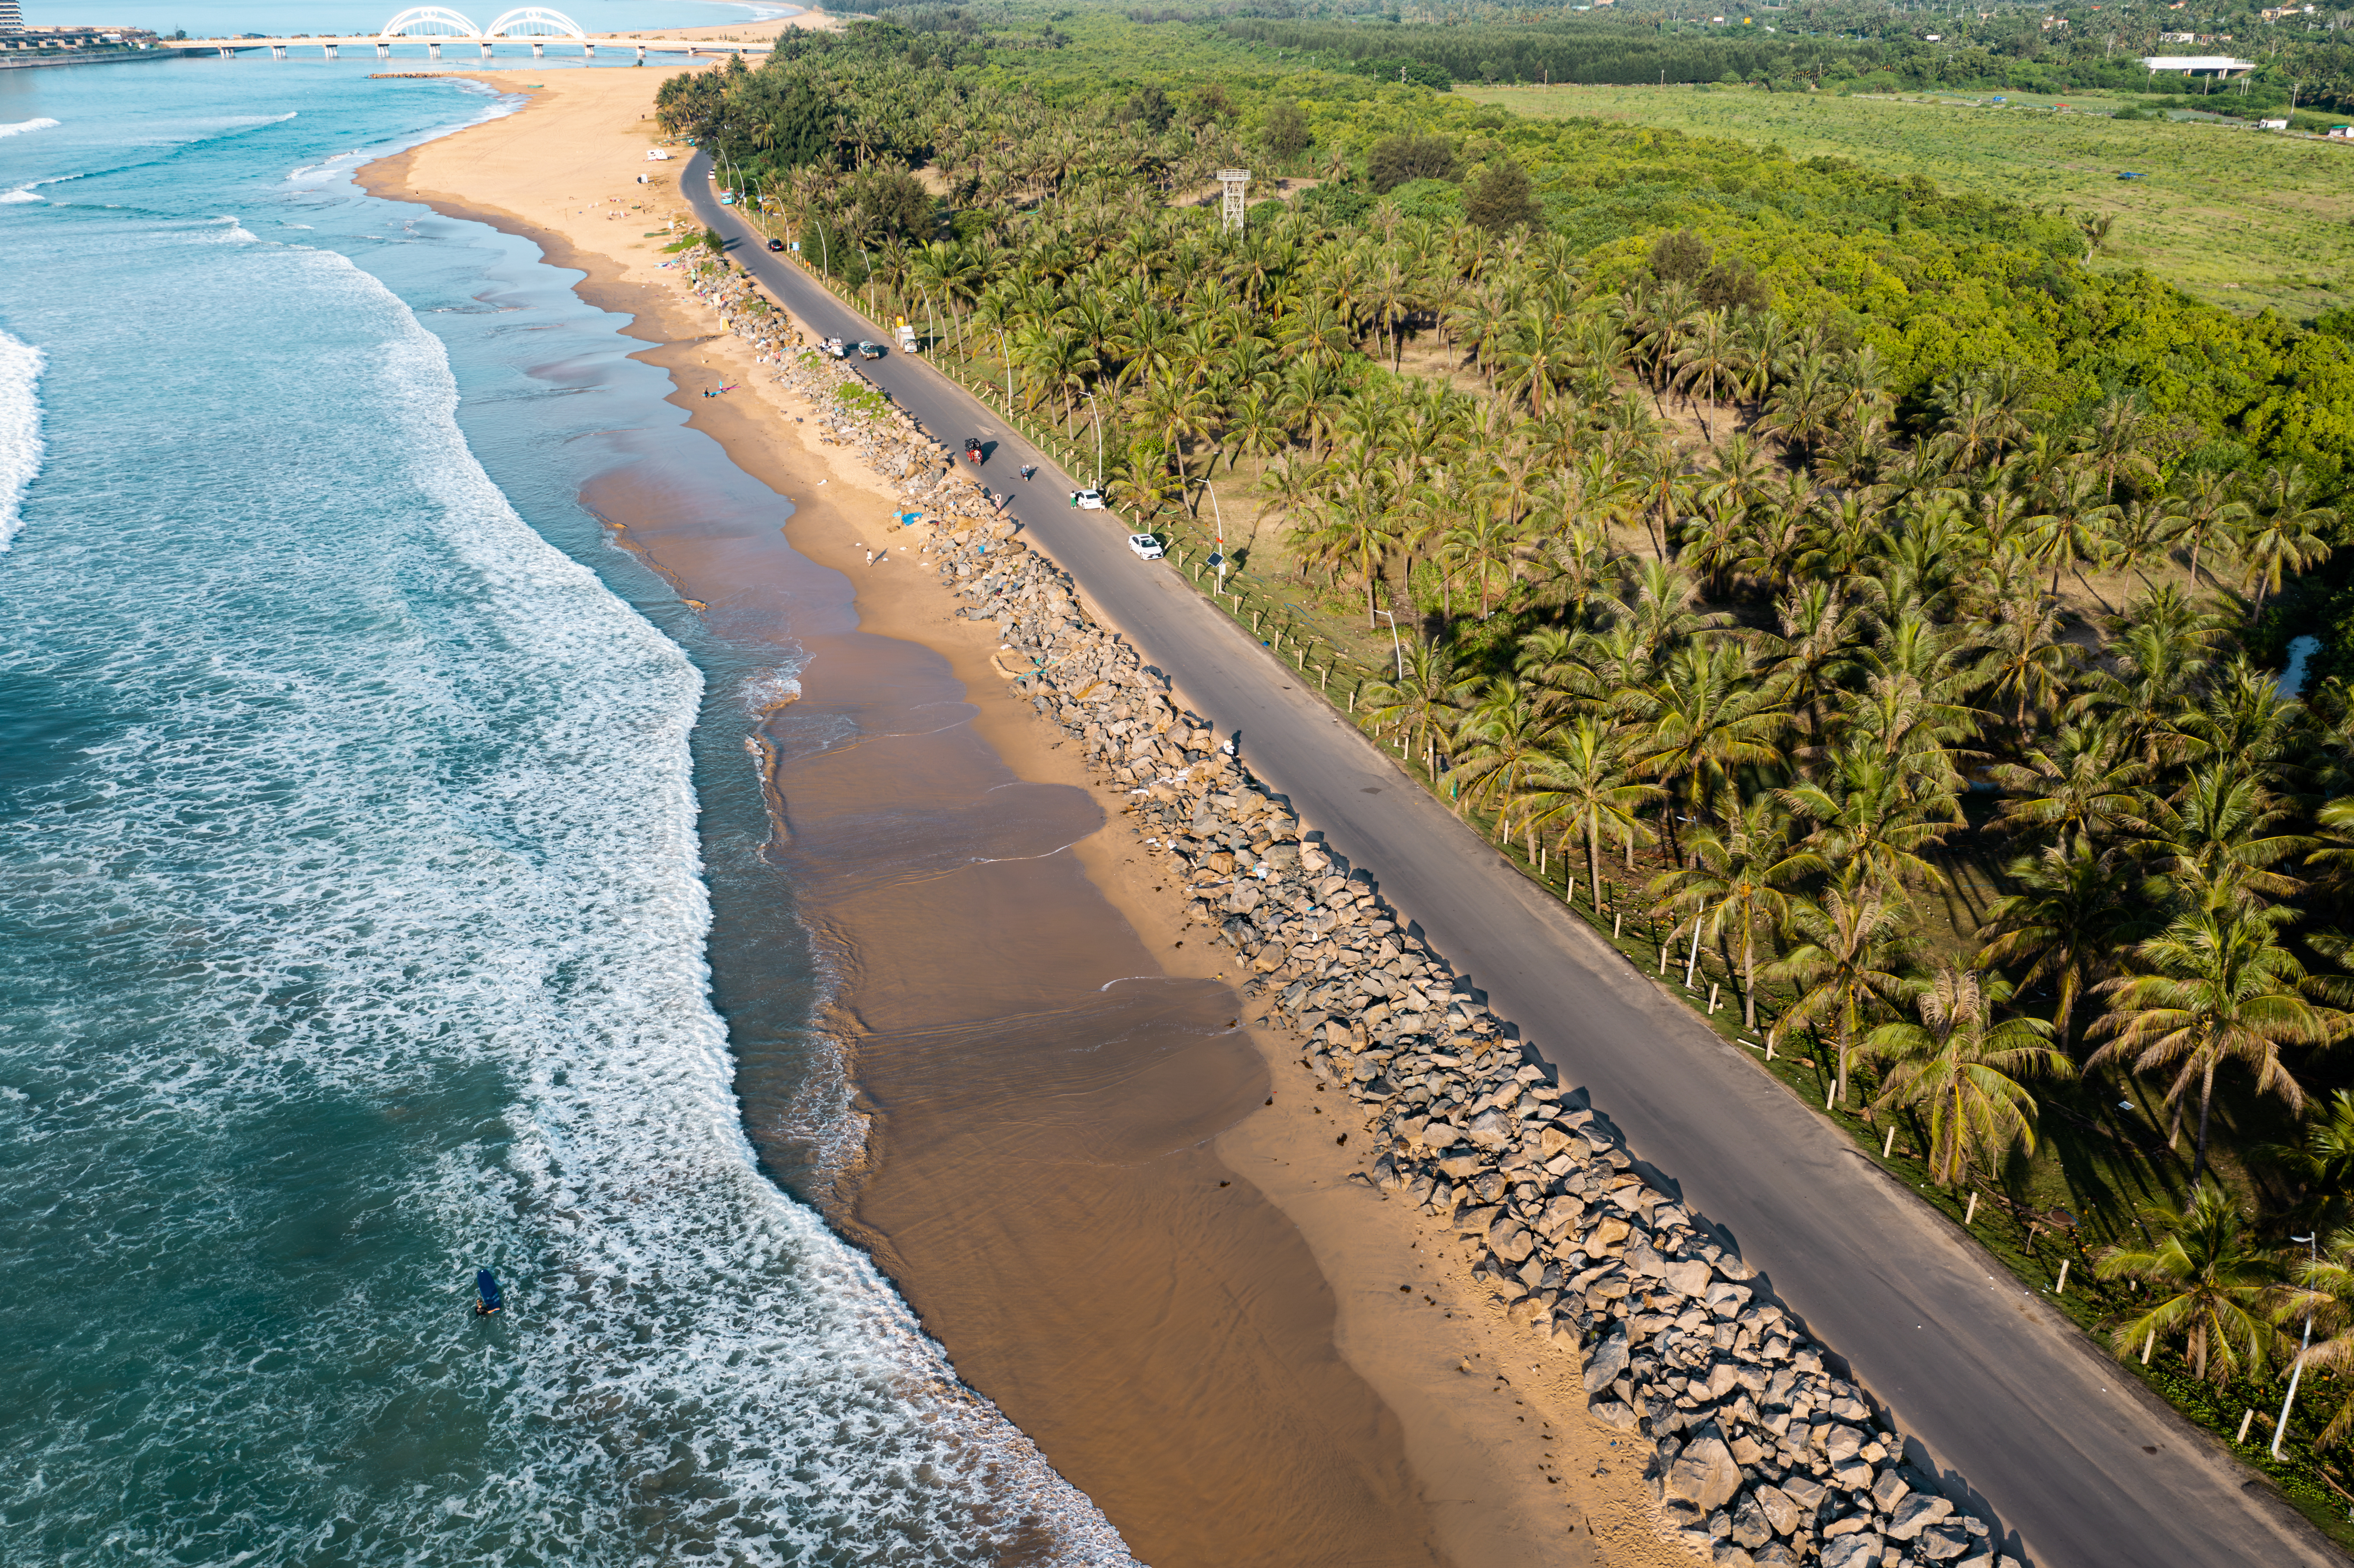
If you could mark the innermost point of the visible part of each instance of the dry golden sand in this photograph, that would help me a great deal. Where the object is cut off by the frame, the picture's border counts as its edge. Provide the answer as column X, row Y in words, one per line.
column 1502, row 1465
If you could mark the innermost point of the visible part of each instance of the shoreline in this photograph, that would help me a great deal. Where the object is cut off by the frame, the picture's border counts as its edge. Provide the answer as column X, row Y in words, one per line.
column 1469, row 1467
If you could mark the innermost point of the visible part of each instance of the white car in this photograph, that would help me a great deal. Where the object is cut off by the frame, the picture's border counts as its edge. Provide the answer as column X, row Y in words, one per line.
column 1091, row 500
column 1146, row 546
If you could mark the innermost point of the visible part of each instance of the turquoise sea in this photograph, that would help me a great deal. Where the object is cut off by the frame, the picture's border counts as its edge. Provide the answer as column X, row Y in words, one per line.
column 362, row 815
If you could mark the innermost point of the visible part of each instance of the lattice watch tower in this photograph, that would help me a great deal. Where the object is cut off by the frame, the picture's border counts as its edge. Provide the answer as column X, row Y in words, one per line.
column 1232, row 182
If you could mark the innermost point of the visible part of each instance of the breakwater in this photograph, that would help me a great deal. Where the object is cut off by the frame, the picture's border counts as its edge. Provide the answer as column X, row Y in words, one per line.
column 1758, row 1449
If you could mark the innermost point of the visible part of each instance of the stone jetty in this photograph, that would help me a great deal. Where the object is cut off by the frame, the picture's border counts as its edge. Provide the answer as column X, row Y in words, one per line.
column 1760, row 1452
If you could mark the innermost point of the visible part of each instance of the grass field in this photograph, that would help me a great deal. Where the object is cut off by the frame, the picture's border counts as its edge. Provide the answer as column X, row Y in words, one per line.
column 2243, row 217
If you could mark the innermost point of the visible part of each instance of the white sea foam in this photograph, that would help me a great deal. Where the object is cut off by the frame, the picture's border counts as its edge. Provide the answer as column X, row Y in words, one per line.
column 432, row 824
column 19, row 127
column 20, row 430
column 764, row 691
column 22, row 193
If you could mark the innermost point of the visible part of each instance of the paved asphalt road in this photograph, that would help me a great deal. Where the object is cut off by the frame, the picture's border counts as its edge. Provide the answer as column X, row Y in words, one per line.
column 2074, row 1466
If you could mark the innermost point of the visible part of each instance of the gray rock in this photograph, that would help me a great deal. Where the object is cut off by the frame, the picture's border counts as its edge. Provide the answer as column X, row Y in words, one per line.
column 1730, row 1554
column 1491, row 1129
column 1888, row 1491
column 1851, row 1552
column 1804, row 1491
column 1688, row 1278
column 1750, row 1526
column 1916, row 1514
column 1511, row 1240
column 1841, row 1441
column 1612, row 1411
column 1940, row 1541
column 1604, row 1363
column 1704, row 1473
column 1781, row 1510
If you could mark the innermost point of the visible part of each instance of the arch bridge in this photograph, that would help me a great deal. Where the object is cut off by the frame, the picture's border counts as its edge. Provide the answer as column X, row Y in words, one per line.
column 434, row 26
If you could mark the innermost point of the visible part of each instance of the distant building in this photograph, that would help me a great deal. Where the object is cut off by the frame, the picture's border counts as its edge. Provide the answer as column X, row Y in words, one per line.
column 2222, row 66
column 2272, row 124
column 12, row 16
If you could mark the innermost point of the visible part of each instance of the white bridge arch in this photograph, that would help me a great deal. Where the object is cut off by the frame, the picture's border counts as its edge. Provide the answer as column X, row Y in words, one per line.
column 533, row 21
column 429, row 21
column 434, row 26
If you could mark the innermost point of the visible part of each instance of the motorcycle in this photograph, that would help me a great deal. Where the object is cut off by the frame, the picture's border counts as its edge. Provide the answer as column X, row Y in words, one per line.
column 973, row 450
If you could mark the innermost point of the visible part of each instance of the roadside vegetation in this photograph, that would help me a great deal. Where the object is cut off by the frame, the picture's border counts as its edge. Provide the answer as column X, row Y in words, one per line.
column 1863, row 611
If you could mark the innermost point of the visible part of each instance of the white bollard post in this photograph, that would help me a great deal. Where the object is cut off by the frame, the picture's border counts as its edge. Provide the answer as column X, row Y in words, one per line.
column 1970, row 1213
column 2244, row 1420
column 2062, row 1289
column 2148, row 1345
column 1889, row 1146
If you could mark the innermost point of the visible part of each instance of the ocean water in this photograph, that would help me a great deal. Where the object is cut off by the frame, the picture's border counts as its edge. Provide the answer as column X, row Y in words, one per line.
column 357, row 799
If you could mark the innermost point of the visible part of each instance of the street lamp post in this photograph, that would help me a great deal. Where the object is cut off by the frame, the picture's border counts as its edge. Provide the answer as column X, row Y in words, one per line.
column 1220, row 518
column 1396, row 645
column 1096, row 411
column 2280, row 1429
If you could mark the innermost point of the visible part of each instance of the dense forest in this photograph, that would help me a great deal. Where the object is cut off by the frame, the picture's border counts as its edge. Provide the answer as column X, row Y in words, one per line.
column 1828, row 47
column 1756, row 517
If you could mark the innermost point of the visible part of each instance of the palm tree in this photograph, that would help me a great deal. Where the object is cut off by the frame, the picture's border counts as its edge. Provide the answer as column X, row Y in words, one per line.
column 2218, row 1287
column 1584, row 788
column 2084, row 785
column 1744, row 863
column 2064, row 922
column 2218, row 987
column 1499, row 745
column 1425, row 700
column 1843, row 966
column 2071, row 529
column 1706, row 362
column 2029, row 664
column 2211, row 508
column 2284, row 530
column 1698, row 724
column 1961, row 1068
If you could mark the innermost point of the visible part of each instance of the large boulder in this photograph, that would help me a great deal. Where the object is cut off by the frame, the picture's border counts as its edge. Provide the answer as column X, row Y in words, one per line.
column 1750, row 1527
column 1605, row 1361
column 1704, row 1474
column 1781, row 1510
column 1916, row 1514
column 1686, row 1278
column 1860, row 1550
column 1511, row 1240
column 1488, row 1130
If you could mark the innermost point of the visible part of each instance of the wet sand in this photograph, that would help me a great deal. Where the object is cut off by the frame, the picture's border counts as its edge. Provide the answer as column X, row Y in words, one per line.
column 1073, row 1170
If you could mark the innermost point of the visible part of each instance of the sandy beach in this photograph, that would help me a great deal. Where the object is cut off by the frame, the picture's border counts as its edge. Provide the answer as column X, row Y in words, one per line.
column 1111, row 1193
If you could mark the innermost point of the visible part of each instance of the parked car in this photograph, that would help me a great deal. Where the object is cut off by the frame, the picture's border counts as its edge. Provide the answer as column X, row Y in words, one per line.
column 869, row 350
column 1091, row 501
column 1146, row 546
column 727, row 198
column 776, row 245
column 834, row 347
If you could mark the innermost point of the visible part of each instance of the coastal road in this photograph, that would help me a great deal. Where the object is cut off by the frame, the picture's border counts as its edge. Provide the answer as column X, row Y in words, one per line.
column 2029, row 1425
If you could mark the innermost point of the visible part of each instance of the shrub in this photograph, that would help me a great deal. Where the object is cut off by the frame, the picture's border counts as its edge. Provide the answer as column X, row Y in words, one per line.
column 1397, row 159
